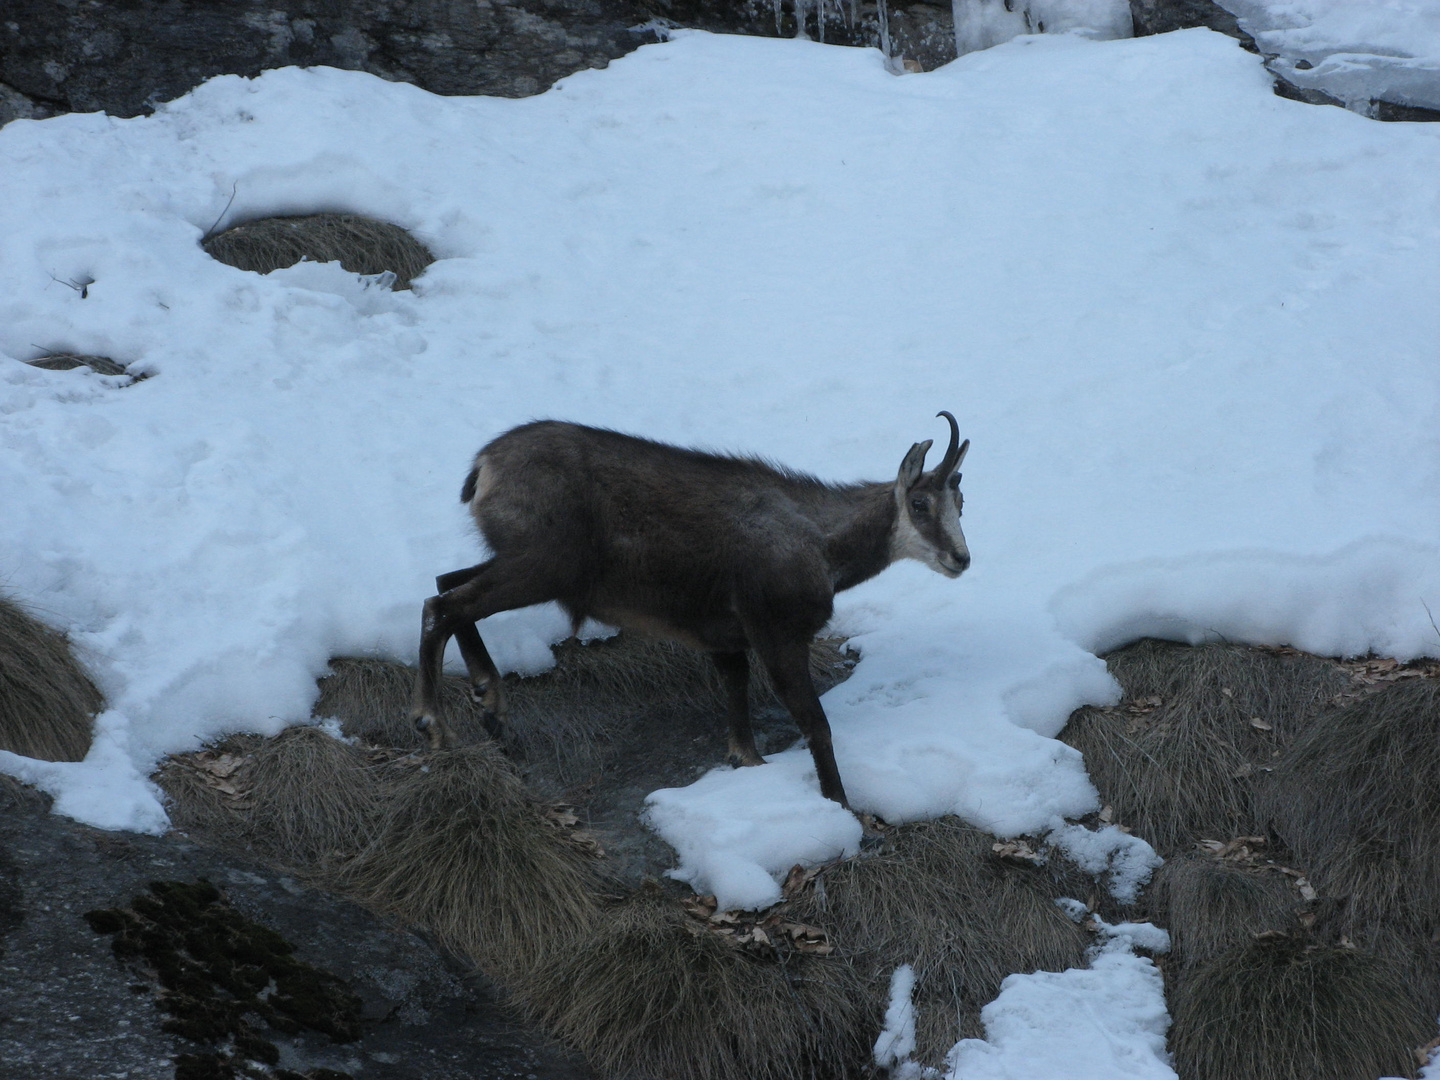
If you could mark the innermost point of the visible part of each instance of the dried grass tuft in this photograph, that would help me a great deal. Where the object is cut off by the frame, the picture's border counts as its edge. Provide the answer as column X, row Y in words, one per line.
column 464, row 851
column 1358, row 802
column 1279, row 1009
column 18, row 795
column 314, row 801
column 361, row 245
column 936, row 896
column 1210, row 906
column 47, row 701
column 196, row 802
column 1177, row 758
column 648, row 993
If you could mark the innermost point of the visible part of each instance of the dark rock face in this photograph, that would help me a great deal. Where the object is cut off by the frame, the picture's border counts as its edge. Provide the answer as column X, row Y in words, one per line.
column 88, row 55
column 69, row 1008
column 1162, row 16
column 921, row 32
column 61, row 56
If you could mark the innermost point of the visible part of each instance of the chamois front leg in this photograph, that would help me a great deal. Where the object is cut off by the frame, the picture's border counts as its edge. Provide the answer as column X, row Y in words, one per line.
column 788, row 663
column 735, row 673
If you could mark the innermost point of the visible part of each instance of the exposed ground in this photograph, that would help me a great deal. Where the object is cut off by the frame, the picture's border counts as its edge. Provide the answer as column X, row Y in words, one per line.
column 1291, row 795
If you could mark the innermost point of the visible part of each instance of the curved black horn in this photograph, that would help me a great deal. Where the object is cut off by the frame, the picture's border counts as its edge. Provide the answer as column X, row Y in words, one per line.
column 952, row 453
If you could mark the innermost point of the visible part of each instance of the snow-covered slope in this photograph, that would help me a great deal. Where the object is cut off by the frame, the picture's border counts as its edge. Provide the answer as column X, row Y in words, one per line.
column 1189, row 326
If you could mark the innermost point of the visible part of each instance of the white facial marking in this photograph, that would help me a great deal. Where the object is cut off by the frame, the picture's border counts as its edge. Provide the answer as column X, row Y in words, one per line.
column 908, row 543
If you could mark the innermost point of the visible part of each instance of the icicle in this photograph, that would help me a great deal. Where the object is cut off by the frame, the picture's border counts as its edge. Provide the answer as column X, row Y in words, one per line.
column 893, row 64
column 775, row 6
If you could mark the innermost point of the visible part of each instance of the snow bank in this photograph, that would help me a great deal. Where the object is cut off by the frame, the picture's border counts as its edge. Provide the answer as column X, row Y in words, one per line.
column 1189, row 327
column 1355, row 50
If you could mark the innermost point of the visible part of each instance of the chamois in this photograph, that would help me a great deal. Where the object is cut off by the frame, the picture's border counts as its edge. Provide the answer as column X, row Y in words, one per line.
column 716, row 552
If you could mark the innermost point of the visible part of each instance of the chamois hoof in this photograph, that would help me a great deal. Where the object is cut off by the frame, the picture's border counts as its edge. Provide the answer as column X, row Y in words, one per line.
column 742, row 758
column 433, row 730
column 872, row 828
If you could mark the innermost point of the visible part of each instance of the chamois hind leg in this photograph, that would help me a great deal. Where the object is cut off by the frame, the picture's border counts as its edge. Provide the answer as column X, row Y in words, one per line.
column 735, row 673
column 497, row 585
column 788, row 662
column 486, row 688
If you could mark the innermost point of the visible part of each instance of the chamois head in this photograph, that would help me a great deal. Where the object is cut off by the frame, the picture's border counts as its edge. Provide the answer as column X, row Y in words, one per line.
column 928, row 504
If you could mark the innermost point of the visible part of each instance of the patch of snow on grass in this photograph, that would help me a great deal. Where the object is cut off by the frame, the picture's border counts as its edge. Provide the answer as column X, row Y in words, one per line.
column 1105, row 1022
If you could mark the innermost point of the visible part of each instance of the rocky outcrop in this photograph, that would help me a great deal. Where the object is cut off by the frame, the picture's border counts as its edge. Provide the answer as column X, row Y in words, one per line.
column 71, row 1005
column 1162, row 16
column 61, row 56
column 68, row 56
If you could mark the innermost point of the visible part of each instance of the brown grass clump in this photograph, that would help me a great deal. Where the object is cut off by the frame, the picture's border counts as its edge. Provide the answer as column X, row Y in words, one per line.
column 361, row 245
column 1176, row 759
column 1279, row 1009
column 201, row 794
column 1357, row 800
column 302, row 799
column 18, row 795
column 314, row 801
column 463, row 850
column 1358, row 803
column 650, row 993
column 1210, row 906
column 47, row 702
column 938, row 897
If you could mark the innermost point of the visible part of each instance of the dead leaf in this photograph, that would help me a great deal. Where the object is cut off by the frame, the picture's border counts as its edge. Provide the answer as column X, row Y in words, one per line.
column 1423, row 1053
column 701, row 907
column 1018, row 851
column 563, row 816
column 806, row 939
column 797, row 879
column 1261, row 725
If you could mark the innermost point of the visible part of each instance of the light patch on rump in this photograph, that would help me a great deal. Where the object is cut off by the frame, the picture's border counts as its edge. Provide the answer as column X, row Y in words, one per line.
column 484, row 480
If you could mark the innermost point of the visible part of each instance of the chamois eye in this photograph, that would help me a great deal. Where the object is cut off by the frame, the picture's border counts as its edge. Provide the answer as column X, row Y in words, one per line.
column 920, row 506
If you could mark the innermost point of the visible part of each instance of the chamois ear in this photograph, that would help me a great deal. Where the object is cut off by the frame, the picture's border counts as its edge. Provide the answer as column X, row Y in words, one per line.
column 964, row 449
column 913, row 465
